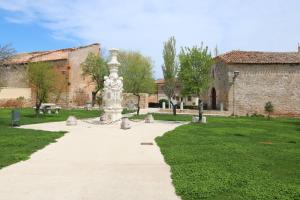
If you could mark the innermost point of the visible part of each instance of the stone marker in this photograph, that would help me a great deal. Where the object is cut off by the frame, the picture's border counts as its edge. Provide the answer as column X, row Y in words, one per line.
column 163, row 105
column 149, row 119
column 181, row 106
column 125, row 123
column 195, row 118
column 49, row 112
column 221, row 106
column 41, row 112
column 71, row 121
column 203, row 120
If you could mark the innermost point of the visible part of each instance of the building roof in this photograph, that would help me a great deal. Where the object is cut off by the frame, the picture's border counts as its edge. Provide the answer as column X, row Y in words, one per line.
column 256, row 57
column 39, row 56
column 160, row 81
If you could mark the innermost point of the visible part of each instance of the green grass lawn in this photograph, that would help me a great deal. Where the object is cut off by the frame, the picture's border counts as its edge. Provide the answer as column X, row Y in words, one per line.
column 19, row 144
column 234, row 158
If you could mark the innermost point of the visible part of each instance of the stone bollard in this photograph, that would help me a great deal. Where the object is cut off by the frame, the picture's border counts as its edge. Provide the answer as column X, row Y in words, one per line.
column 221, row 106
column 149, row 119
column 49, row 112
column 203, row 120
column 195, row 118
column 71, row 121
column 41, row 112
column 163, row 105
column 125, row 123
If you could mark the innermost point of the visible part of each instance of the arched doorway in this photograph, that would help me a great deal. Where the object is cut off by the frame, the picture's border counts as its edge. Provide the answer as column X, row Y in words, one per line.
column 213, row 99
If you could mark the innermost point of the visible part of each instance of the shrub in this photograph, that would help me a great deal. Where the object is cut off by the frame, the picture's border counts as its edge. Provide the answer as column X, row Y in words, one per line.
column 269, row 108
column 126, row 111
column 14, row 103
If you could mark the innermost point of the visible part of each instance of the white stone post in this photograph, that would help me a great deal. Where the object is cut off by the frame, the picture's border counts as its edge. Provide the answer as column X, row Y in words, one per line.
column 197, row 100
column 163, row 105
column 221, row 106
column 181, row 106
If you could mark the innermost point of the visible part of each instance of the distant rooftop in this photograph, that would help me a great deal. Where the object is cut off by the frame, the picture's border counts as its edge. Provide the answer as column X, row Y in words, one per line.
column 51, row 55
column 256, row 57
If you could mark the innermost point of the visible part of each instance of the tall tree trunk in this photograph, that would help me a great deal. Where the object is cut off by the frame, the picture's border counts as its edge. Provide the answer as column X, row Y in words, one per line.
column 138, row 105
column 94, row 98
column 173, row 107
column 200, row 109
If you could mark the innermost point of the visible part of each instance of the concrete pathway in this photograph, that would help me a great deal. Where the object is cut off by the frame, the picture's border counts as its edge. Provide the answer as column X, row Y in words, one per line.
column 93, row 162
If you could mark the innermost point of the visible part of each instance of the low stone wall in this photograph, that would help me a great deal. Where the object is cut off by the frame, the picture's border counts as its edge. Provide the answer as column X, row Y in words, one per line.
column 13, row 93
column 130, row 100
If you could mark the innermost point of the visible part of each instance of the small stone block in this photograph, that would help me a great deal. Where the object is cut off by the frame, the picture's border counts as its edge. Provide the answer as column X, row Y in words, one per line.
column 149, row 119
column 195, row 119
column 203, row 120
column 125, row 124
column 71, row 121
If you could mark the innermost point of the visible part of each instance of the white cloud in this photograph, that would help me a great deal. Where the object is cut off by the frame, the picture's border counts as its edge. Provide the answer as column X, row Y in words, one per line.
column 144, row 25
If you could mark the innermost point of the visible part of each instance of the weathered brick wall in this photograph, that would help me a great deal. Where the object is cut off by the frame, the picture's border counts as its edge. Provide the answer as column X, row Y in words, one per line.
column 129, row 99
column 76, row 80
column 258, row 84
column 13, row 76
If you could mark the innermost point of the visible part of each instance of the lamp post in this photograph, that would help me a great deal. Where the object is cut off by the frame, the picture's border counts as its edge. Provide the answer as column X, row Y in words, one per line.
column 235, row 75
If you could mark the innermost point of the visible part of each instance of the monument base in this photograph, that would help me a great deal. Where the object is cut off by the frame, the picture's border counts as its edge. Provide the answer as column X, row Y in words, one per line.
column 113, row 115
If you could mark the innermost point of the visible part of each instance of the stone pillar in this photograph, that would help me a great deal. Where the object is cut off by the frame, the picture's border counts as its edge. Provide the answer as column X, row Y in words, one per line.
column 196, row 103
column 221, row 106
column 163, row 105
column 181, row 106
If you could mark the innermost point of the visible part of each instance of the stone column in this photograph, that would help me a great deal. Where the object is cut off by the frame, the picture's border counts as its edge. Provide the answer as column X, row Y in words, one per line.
column 113, row 88
column 163, row 105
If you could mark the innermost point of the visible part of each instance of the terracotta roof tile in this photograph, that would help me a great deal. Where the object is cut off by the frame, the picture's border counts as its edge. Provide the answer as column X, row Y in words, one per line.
column 39, row 56
column 256, row 57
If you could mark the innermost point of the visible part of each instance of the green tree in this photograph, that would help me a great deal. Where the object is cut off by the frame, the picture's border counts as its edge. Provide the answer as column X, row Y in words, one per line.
column 195, row 72
column 96, row 68
column 170, row 70
column 269, row 108
column 42, row 79
column 137, row 73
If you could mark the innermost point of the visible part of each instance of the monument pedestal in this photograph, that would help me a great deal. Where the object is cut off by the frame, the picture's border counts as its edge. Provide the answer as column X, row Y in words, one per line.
column 113, row 115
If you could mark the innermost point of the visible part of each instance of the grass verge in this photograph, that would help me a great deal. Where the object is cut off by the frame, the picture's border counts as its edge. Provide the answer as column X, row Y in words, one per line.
column 234, row 158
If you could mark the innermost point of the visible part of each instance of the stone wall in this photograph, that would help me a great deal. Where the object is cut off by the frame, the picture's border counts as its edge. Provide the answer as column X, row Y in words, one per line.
column 222, row 85
column 130, row 100
column 13, row 76
column 258, row 84
column 76, row 80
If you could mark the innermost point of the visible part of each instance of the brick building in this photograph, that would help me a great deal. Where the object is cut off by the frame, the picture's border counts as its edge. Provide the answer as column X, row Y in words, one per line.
column 67, row 61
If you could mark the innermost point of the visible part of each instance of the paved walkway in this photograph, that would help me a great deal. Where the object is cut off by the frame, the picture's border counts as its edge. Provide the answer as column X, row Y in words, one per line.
column 93, row 162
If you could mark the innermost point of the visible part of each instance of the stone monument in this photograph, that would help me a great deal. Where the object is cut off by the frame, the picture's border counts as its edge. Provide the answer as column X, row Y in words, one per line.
column 113, row 88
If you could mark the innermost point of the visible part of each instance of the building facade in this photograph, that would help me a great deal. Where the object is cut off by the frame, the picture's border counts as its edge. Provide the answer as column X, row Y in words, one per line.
column 244, row 81
column 66, row 61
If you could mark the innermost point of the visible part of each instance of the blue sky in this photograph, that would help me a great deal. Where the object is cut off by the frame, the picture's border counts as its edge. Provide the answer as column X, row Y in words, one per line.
column 265, row 25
